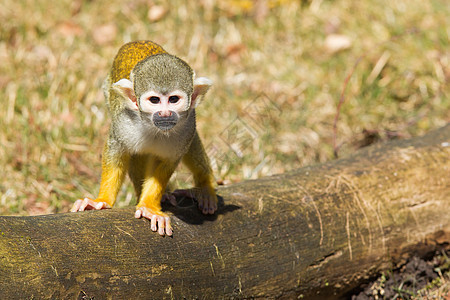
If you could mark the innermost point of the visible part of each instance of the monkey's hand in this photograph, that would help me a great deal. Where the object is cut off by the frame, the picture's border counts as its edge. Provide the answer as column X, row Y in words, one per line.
column 158, row 220
column 205, row 196
column 88, row 204
column 169, row 197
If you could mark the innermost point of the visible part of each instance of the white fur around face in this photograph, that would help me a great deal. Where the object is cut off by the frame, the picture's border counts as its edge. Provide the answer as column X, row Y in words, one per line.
column 164, row 104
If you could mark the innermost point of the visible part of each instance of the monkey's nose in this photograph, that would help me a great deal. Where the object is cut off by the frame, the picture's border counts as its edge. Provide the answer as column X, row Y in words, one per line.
column 165, row 122
column 166, row 113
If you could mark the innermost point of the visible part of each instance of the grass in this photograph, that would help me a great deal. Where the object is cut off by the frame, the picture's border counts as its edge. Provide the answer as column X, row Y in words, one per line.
column 277, row 84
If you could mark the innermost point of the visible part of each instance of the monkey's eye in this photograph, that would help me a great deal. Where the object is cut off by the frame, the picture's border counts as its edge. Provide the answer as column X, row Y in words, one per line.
column 154, row 99
column 174, row 99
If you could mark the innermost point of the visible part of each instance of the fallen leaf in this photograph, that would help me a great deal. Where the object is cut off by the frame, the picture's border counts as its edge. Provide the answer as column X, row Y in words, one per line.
column 156, row 13
column 337, row 42
column 69, row 29
column 234, row 52
column 332, row 25
column 44, row 53
column 105, row 34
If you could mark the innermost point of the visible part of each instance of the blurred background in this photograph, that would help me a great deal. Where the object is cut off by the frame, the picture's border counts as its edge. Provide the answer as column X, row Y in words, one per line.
column 279, row 68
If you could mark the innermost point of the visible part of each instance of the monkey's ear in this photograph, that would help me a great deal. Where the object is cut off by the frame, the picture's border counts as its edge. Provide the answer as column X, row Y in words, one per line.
column 125, row 88
column 201, row 86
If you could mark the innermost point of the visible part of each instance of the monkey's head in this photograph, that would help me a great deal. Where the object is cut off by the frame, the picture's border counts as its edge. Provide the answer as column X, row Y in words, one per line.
column 163, row 88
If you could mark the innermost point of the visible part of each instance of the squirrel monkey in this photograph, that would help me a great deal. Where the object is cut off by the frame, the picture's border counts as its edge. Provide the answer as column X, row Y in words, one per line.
column 151, row 97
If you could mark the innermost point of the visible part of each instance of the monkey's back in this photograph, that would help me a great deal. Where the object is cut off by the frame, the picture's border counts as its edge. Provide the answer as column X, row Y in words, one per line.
column 129, row 55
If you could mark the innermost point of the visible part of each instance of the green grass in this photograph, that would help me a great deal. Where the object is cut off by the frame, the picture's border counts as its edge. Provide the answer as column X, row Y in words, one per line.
column 276, row 85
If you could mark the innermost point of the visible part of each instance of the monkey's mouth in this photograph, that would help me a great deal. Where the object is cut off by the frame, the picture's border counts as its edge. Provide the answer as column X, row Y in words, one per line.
column 165, row 124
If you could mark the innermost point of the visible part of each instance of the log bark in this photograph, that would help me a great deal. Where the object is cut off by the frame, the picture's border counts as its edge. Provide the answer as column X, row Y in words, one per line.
column 316, row 232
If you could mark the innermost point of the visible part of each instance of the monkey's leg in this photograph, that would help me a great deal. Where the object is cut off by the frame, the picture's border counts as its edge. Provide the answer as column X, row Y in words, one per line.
column 198, row 163
column 137, row 171
column 114, row 167
column 149, row 206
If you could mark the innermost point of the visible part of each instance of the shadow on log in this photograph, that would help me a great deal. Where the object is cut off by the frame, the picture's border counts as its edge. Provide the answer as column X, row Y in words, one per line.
column 318, row 232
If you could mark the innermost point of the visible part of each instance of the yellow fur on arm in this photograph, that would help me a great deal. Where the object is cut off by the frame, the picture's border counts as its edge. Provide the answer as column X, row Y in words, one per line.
column 113, row 174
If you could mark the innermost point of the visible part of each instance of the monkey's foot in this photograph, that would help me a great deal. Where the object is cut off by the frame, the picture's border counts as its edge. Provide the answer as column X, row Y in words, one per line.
column 205, row 196
column 158, row 220
column 169, row 197
column 88, row 204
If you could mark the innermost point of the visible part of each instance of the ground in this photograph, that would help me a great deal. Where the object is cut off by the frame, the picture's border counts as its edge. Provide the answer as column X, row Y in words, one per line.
column 419, row 278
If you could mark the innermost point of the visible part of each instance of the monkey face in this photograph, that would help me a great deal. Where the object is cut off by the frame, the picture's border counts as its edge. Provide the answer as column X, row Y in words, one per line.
column 164, row 109
column 163, row 89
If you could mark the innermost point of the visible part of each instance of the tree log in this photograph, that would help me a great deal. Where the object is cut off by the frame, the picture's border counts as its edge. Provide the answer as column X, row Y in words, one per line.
column 316, row 232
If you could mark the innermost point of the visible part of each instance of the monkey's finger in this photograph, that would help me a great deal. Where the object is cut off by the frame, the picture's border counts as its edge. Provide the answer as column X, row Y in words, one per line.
column 201, row 204
column 212, row 205
column 169, row 230
column 138, row 213
column 85, row 205
column 161, row 225
column 169, row 197
column 204, row 206
column 101, row 205
column 76, row 205
column 153, row 220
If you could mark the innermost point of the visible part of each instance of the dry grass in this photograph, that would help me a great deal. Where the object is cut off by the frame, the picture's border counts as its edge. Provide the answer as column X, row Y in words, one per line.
column 278, row 67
